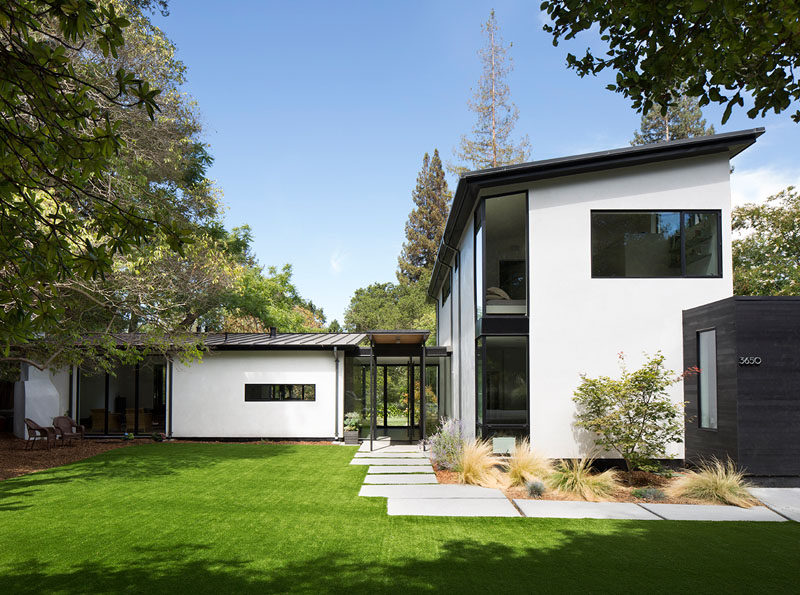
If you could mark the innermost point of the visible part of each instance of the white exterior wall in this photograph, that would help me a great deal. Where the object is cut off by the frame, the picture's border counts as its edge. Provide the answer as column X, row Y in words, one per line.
column 579, row 324
column 466, row 335
column 208, row 396
column 40, row 395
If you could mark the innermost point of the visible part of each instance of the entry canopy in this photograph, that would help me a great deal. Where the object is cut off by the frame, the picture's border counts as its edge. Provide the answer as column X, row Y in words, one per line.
column 398, row 337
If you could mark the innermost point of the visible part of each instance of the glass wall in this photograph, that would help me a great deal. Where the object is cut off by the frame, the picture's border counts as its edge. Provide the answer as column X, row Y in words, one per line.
column 501, row 261
column 502, row 385
column 131, row 399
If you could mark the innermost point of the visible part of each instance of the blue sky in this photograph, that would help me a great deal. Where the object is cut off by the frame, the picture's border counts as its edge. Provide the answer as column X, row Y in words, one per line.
column 318, row 115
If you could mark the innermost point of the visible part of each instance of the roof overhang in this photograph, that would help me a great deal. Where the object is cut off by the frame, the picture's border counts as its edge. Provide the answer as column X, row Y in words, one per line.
column 471, row 183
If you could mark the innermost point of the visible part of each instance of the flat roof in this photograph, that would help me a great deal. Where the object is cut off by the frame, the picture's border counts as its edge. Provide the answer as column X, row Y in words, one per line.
column 471, row 183
column 398, row 337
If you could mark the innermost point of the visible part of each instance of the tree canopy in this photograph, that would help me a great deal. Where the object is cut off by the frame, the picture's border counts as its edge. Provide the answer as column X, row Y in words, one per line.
column 426, row 221
column 491, row 143
column 722, row 51
column 684, row 119
column 391, row 306
column 766, row 251
column 108, row 222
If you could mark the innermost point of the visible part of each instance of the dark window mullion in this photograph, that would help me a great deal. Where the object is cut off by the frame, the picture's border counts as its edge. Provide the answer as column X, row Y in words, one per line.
column 681, row 214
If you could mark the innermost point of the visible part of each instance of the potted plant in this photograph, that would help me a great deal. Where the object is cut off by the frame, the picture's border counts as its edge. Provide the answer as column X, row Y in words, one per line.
column 352, row 425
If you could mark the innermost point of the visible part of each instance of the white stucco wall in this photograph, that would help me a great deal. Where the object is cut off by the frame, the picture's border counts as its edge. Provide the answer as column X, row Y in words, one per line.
column 208, row 396
column 579, row 324
column 39, row 395
column 466, row 336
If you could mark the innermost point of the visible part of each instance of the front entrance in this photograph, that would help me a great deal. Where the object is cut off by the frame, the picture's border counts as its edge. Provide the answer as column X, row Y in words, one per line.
column 398, row 407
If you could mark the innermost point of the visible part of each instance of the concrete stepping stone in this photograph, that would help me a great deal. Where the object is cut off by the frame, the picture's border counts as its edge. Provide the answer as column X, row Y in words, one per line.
column 399, row 469
column 430, row 491
column 391, row 455
column 556, row 509
column 785, row 501
column 709, row 512
column 372, row 461
column 474, row 507
column 405, row 478
column 392, row 449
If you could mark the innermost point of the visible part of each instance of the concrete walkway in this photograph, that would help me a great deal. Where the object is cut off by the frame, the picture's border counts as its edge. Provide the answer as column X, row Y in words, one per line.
column 784, row 501
column 404, row 476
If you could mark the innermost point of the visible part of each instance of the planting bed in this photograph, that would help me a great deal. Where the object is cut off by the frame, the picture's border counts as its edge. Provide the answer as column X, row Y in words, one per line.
column 623, row 494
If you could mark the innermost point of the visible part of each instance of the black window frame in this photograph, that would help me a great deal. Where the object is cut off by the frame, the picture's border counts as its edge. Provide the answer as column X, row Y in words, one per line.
column 681, row 213
column 446, row 287
column 483, row 429
column 700, row 425
column 479, row 224
column 272, row 391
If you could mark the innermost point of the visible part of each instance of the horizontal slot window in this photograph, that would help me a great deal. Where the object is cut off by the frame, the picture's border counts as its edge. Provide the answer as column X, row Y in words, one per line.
column 654, row 244
column 280, row 392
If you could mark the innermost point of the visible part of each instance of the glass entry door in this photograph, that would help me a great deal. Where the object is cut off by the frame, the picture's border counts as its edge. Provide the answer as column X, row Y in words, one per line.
column 398, row 399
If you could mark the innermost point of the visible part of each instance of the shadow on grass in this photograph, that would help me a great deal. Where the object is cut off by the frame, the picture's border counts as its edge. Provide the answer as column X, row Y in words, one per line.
column 135, row 462
column 631, row 556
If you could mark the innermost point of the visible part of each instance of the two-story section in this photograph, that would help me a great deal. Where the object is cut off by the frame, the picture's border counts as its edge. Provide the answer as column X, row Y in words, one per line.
column 550, row 269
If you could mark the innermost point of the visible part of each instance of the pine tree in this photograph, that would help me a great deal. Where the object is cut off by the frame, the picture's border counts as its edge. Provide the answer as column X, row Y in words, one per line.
column 684, row 119
column 491, row 144
column 426, row 221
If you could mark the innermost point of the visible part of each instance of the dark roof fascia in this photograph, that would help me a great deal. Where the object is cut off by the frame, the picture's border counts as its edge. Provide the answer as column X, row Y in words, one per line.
column 281, row 347
column 471, row 183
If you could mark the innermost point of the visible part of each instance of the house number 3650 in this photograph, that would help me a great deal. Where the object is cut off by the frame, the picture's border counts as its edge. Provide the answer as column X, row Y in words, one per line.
column 751, row 360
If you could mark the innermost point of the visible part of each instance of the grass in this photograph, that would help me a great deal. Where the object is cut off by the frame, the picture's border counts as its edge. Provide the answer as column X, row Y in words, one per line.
column 219, row 518
column 716, row 482
column 577, row 478
column 525, row 464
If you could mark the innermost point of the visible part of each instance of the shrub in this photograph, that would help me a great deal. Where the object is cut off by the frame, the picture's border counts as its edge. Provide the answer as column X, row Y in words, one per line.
column 649, row 494
column 576, row 477
column 352, row 421
column 446, row 444
column 477, row 465
column 714, row 481
column 535, row 488
column 525, row 464
column 632, row 415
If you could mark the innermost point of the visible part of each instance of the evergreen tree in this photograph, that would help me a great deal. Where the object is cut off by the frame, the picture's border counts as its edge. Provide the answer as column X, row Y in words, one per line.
column 683, row 119
column 491, row 144
column 425, row 223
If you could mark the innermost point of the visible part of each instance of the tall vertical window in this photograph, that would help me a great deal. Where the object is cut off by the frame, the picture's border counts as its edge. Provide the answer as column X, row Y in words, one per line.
column 656, row 244
column 502, row 383
column 707, row 378
column 446, row 288
column 501, row 261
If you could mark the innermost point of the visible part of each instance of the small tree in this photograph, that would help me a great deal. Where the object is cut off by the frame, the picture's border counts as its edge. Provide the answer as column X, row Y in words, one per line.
column 632, row 415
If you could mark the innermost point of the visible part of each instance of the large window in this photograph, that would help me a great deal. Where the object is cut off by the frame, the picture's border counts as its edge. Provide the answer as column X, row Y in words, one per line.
column 501, row 241
column 502, row 383
column 280, row 392
column 707, row 378
column 656, row 244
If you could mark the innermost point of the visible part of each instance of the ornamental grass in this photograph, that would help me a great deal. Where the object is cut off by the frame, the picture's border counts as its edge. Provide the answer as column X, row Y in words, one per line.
column 576, row 478
column 715, row 481
column 525, row 464
column 478, row 465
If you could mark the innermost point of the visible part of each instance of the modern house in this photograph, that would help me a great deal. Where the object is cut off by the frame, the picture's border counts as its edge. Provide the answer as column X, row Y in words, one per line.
column 251, row 385
column 547, row 270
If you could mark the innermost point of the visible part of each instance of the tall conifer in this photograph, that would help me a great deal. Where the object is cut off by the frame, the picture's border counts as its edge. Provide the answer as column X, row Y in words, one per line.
column 426, row 221
column 684, row 119
column 491, row 143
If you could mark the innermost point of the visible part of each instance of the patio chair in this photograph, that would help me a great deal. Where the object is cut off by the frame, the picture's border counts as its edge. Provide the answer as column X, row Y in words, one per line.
column 35, row 431
column 67, row 429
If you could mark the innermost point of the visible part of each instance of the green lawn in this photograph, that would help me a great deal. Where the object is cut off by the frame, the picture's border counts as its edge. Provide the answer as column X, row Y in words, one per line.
column 193, row 518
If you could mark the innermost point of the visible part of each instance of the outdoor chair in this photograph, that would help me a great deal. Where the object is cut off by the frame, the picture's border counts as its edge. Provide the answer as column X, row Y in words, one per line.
column 67, row 429
column 35, row 431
